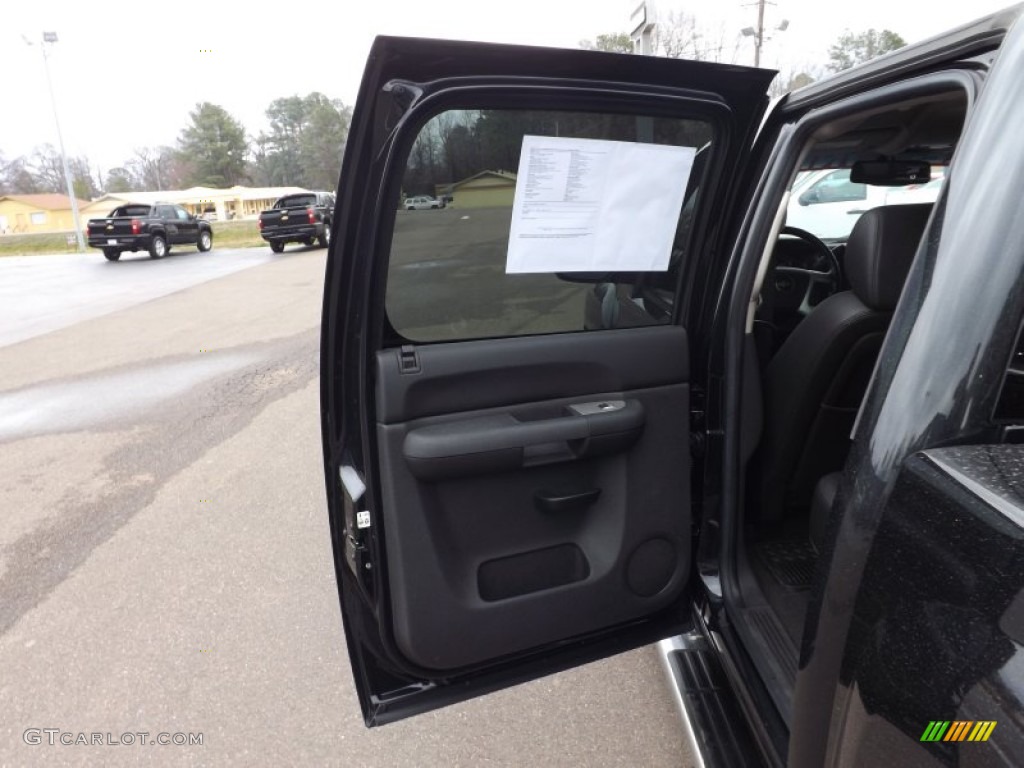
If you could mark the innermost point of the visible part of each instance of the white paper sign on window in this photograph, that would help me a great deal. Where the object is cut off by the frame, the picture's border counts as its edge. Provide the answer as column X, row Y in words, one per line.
column 583, row 205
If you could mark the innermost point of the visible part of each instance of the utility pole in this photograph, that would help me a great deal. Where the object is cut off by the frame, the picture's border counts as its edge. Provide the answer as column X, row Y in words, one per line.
column 758, row 32
column 49, row 38
column 759, row 41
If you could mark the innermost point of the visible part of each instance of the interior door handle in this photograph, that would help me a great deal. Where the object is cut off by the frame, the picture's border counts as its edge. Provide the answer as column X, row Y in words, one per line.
column 560, row 503
column 502, row 442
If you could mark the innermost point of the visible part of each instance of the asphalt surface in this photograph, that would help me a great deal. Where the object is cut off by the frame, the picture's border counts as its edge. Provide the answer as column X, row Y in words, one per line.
column 43, row 293
column 165, row 561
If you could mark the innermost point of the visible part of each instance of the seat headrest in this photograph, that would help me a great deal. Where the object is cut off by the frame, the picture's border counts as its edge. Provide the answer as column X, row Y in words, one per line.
column 880, row 250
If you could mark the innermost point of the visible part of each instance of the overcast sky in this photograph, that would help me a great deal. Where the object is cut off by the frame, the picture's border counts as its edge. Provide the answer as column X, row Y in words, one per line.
column 127, row 78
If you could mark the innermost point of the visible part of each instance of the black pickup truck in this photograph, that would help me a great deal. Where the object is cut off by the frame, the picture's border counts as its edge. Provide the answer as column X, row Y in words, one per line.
column 153, row 228
column 793, row 459
column 298, row 218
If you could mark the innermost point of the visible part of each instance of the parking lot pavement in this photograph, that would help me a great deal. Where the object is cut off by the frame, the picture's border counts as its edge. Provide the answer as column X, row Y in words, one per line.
column 165, row 562
column 39, row 294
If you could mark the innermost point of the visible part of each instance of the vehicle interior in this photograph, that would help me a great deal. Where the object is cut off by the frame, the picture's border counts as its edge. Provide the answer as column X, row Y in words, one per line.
column 818, row 315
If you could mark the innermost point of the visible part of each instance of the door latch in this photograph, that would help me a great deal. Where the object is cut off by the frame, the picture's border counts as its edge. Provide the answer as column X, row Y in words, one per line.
column 357, row 521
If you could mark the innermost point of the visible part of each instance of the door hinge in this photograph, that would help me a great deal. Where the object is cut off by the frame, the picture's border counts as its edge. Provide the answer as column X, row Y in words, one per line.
column 408, row 359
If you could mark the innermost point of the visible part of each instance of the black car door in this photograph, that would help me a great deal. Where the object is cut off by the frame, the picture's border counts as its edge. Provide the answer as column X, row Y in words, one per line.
column 170, row 222
column 188, row 227
column 507, row 448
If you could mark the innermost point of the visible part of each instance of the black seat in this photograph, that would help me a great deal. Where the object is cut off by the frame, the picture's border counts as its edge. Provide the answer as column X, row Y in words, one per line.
column 814, row 384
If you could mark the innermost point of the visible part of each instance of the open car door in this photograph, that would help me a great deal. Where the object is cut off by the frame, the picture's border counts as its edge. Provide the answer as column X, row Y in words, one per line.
column 506, row 432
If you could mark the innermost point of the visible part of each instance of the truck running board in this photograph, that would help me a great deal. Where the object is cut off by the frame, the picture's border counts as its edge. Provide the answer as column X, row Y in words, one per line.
column 717, row 729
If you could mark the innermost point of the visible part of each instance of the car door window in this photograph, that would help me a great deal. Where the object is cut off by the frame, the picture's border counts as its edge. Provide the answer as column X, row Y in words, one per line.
column 447, row 275
column 181, row 213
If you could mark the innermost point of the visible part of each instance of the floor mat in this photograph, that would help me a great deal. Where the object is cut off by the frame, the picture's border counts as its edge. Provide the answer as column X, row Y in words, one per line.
column 789, row 561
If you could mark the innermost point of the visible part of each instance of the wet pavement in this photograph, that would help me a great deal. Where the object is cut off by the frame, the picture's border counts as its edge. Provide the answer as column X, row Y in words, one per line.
column 165, row 558
column 82, row 403
column 40, row 294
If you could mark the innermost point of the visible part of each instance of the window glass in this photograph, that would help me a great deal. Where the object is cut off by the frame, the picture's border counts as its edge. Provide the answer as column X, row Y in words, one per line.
column 296, row 201
column 447, row 275
column 827, row 204
column 38, row 218
column 130, row 210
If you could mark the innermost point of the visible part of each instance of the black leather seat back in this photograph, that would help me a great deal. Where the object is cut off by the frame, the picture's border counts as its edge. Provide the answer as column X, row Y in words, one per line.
column 815, row 382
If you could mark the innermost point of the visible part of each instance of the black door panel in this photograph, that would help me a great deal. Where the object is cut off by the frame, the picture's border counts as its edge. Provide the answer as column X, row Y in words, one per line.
column 520, row 528
column 471, row 375
column 509, row 497
column 504, row 441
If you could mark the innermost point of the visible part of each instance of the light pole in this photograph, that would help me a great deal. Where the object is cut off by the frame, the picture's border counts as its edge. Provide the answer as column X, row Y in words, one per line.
column 49, row 38
column 758, row 32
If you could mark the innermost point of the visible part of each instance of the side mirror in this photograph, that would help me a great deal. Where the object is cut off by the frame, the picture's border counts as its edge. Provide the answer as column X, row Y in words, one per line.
column 809, row 197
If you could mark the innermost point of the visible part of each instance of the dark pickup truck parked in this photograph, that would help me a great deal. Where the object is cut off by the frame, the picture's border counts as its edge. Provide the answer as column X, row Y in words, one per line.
column 298, row 218
column 153, row 228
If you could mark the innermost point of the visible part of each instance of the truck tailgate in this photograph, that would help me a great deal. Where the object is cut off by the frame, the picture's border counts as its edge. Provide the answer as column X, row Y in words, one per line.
column 116, row 227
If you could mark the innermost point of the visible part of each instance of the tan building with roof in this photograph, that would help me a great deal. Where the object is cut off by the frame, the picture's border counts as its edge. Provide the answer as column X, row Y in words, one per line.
column 488, row 189
column 24, row 214
column 47, row 213
column 238, row 202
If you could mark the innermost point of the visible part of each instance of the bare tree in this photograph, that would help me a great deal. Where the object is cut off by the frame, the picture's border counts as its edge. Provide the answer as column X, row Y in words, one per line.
column 678, row 35
column 15, row 177
column 150, row 167
column 46, row 168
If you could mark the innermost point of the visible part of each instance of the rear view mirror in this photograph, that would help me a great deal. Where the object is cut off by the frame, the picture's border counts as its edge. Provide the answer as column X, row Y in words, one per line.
column 891, row 173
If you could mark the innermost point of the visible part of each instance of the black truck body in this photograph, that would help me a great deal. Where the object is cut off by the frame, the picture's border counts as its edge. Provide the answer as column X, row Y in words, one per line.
column 512, row 495
column 304, row 217
column 153, row 228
